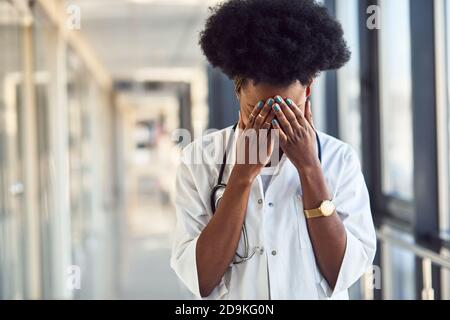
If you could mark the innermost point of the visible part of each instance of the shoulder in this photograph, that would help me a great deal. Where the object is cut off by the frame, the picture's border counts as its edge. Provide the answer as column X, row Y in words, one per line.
column 341, row 165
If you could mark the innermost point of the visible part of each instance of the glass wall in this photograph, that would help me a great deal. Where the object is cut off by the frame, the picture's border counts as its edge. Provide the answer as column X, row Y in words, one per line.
column 93, row 207
column 12, row 244
column 349, row 88
column 44, row 38
column 396, row 109
column 92, row 210
column 80, row 168
column 76, row 202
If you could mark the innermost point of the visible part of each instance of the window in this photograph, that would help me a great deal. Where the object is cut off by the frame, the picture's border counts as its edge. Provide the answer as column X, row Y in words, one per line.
column 318, row 102
column 349, row 88
column 398, row 268
column 318, row 99
column 396, row 109
column 349, row 92
column 443, row 118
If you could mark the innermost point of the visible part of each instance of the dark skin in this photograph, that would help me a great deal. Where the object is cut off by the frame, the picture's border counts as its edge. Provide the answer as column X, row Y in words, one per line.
column 293, row 123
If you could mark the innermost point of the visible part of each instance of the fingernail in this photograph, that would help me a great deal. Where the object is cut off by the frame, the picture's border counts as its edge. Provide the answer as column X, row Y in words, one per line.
column 260, row 105
column 289, row 102
column 275, row 122
column 279, row 99
column 276, row 107
column 270, row 102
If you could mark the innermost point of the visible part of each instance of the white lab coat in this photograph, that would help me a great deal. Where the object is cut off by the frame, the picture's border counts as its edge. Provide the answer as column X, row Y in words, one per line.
column 286, row 267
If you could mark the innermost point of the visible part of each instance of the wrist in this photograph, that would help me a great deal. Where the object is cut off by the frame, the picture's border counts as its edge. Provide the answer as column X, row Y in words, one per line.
column 312, row 167
column 311, row 174
column 241, row 176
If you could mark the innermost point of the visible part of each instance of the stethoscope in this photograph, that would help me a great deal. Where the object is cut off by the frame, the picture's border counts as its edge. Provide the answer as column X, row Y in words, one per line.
column 221, row 186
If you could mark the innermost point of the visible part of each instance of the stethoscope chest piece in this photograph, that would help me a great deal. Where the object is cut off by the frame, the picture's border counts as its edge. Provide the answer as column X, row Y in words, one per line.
column 216, row 195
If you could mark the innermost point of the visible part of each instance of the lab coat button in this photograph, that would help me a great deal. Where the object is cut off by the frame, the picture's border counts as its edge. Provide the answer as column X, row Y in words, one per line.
column 260, row 201
column 274, row 253
column 271, row 204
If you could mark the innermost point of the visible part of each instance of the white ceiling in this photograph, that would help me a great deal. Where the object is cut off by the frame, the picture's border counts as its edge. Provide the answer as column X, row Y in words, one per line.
column 133, row 35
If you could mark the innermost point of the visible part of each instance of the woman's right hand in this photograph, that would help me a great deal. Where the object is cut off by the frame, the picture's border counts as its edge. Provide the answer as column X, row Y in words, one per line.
column 255, row 142
column 217, row 244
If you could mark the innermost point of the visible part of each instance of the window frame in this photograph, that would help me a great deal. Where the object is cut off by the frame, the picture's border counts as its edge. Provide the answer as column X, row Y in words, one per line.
column 419, row 217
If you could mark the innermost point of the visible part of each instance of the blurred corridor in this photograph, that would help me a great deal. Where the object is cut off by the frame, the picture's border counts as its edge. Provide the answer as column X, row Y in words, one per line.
column 149, row 211
column 91, row 92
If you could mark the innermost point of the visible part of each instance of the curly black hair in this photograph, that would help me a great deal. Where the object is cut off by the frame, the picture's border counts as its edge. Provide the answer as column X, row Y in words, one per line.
column 273, row 41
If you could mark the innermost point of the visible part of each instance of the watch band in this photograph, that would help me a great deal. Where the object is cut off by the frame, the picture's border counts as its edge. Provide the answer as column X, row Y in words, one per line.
column 326, row 209
column 314, row 213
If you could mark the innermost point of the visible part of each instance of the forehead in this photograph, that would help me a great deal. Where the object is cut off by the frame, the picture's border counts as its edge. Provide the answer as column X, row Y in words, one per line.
column 262, row 91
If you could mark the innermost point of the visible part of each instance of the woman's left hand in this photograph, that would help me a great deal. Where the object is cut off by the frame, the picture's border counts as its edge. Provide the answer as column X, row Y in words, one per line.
column 296, row 133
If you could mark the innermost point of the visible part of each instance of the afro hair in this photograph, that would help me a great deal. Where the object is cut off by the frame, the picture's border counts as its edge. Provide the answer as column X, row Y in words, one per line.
column 273, row 41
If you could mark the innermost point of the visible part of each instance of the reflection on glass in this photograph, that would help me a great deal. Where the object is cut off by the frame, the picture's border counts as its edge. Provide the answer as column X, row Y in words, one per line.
column 349, row 89
column 396, row 110
column 349, row 92
column 403, row 274
column 12, row 225
column 79, row 159
column 43, row 37
column 398, row 269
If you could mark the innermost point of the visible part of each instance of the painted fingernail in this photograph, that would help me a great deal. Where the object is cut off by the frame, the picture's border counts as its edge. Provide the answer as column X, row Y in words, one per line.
column 276, row 107
column 270, row 102
column 279, row 99
column 275, row 122
column 260, row 105
column 290, row 102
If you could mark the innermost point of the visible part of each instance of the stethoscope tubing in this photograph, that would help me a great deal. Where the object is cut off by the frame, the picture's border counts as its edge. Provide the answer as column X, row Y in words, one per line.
column 221, row 185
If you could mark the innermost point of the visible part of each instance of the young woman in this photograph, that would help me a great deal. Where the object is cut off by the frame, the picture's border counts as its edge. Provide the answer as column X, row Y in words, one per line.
column 296, row 224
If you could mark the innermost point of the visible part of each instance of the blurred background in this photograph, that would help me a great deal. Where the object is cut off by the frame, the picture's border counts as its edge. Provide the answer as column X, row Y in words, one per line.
column 92, row 90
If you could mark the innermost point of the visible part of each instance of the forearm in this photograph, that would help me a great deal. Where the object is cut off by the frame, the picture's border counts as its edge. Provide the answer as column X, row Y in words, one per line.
column 327, row 234
column 217, row 244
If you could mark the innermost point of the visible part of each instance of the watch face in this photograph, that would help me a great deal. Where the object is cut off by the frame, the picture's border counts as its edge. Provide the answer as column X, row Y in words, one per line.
column 327, row 208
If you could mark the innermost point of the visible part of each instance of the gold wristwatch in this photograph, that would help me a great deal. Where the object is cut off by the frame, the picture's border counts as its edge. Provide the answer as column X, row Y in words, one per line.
column 326, row 209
